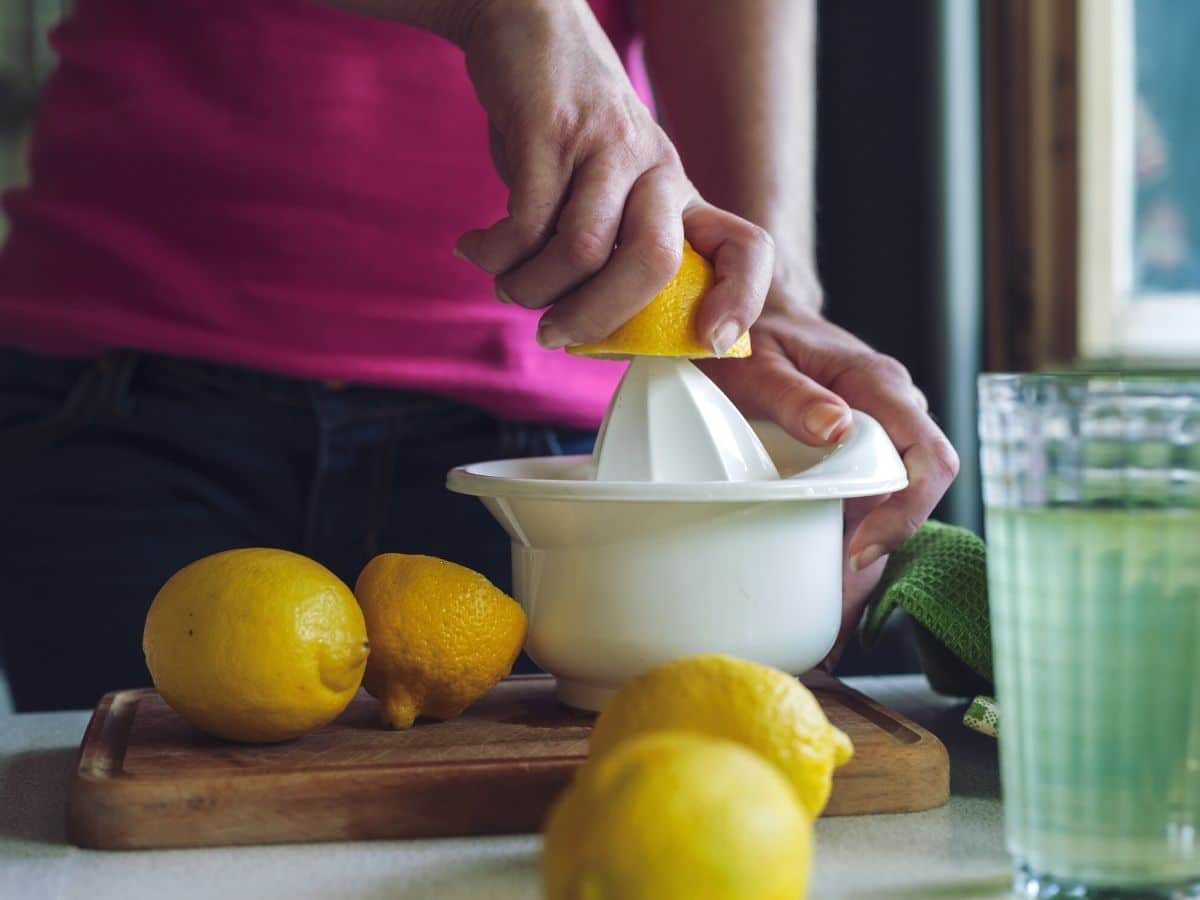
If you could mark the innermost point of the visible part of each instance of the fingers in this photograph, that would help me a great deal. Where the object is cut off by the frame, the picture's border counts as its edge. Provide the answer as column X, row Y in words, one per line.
column 743, row 257
column 539, row 182
column 628, row 277
column 931, row 467
column 929, row 459
column 559, row 246
column 583, row 241
column 774, row 389
column 857, row 588
column 651, row 245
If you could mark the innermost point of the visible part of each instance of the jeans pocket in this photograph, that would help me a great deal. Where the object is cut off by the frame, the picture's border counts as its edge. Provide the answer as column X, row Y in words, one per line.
column 570, row 441
column 547, row 440
column 42, row 400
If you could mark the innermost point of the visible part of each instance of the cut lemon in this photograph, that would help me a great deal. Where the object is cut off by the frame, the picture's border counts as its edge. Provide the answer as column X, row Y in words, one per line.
column 667, row 326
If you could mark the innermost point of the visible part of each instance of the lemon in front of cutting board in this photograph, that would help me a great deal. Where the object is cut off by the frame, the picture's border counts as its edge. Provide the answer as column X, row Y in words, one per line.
column 441, row 634
column 760, row 707
column 674, row 814
column 256, row 645
column 667, row 325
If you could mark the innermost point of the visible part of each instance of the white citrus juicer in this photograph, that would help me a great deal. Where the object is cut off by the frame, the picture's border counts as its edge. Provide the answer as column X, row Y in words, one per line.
column 688, row 530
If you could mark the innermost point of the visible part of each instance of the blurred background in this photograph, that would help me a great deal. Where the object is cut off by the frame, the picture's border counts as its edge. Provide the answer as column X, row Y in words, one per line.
column 1008, row 185
column 1002, row 185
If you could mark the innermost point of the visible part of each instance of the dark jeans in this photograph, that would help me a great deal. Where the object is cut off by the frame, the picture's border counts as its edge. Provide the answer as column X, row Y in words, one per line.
column 114, row 473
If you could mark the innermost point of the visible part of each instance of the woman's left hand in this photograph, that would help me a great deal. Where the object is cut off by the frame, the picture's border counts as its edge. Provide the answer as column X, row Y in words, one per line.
column 806, row 374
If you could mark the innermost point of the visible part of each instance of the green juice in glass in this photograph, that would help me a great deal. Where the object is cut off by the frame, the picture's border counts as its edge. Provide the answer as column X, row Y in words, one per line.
column 1096, row 632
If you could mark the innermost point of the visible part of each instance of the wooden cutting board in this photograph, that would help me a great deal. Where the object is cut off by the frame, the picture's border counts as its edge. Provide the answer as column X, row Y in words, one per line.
column 146, row 779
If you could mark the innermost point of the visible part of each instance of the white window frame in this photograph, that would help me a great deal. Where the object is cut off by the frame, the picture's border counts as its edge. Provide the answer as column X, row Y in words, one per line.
column 1113, row 323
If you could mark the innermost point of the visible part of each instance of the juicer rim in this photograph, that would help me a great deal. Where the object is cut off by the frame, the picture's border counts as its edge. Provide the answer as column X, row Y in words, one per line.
column 866, row 464
column 466, row 480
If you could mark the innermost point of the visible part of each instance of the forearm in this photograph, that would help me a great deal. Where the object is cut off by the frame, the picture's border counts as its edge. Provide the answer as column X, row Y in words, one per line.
column 735, row 85
column 451, row 19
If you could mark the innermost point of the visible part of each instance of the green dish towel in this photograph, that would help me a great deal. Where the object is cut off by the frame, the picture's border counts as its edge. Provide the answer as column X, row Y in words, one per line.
column 940, row 579
column 983, row 715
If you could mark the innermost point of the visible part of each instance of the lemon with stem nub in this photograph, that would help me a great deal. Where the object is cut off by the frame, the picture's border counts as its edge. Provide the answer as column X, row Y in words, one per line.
column 766, row 710
column 441, row 634
column 256, row 645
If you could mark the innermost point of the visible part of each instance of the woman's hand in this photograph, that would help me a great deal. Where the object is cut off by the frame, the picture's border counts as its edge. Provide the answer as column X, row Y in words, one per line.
column 806, row 374
column 599, row 204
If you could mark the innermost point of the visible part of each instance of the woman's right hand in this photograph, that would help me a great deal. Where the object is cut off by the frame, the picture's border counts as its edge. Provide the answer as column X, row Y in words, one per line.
column 599, row 203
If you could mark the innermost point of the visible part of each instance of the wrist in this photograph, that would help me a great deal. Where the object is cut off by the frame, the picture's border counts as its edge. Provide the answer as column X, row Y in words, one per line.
column 453, row 20
column 458, row 21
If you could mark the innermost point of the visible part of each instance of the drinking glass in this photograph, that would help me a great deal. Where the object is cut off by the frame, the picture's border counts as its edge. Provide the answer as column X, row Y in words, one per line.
column 1092, row 494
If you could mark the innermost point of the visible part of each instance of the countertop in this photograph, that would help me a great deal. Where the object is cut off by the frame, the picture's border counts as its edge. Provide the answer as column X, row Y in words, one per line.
column 953, row 852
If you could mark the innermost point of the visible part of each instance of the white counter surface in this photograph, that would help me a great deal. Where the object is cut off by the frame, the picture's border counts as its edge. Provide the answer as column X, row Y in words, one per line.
column 954, row 852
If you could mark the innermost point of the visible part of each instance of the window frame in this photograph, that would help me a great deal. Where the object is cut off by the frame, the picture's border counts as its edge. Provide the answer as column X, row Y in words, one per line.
column 1114, row 320
column 1031, row 185
column 1058, row 206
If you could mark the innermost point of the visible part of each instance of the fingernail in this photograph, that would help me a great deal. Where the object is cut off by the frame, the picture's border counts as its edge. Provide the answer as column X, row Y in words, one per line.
column 551, row 337
column 867, row 558
column 725, row 336
column 824, row 420
column 502, row 295
column 468, row 258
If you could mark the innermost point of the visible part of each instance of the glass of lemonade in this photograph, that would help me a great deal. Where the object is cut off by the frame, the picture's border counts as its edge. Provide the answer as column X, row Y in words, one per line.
column 1092, row 496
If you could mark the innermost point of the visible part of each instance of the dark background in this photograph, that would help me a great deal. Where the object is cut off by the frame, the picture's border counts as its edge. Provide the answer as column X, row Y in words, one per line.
column 874, row 187
column 875, row 196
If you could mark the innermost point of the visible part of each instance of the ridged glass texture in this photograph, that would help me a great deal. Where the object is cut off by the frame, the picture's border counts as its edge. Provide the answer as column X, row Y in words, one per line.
column 1092, row 496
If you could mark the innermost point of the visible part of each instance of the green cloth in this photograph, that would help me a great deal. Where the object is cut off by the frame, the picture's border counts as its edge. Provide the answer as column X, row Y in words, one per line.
column 939, row 577
column 983, row 715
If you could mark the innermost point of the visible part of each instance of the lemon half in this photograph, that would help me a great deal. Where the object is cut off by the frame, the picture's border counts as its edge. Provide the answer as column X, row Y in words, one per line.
column 667, row 326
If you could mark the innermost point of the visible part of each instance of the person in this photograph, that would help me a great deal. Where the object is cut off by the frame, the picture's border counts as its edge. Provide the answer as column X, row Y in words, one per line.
column 232, row 314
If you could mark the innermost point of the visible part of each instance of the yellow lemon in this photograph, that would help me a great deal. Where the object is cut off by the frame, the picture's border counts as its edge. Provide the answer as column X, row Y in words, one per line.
column 760, row 707
column 676, row 815
column 256, row 645
column 667, row 326
column 442, row 635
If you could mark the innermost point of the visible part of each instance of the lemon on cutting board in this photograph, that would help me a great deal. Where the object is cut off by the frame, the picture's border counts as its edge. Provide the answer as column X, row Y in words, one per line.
column 674, row 815
column 667, row 325
column 760, row 707
column 442, row 635
column 256, row 645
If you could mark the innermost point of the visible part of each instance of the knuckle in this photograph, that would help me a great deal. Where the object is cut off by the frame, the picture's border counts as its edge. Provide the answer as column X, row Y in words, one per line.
column 528, row 229
column 518, row 295
column 888, row 368
column 912, row 524
column 623, row 142
column 658, row 258
column 788, row 394
column 759, row 237
column 563, row 131
column 587, row 328
column 665, row 152
column 586, row 250
column 628, row 129
column 787, row 398
column 945, row 459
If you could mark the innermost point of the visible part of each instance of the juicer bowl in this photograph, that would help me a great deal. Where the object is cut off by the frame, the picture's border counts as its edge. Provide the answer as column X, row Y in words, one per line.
column 612, row 589
column 618, row 577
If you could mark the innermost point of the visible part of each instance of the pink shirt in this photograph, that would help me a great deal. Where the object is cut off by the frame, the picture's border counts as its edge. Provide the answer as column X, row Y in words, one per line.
column 275, row 184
